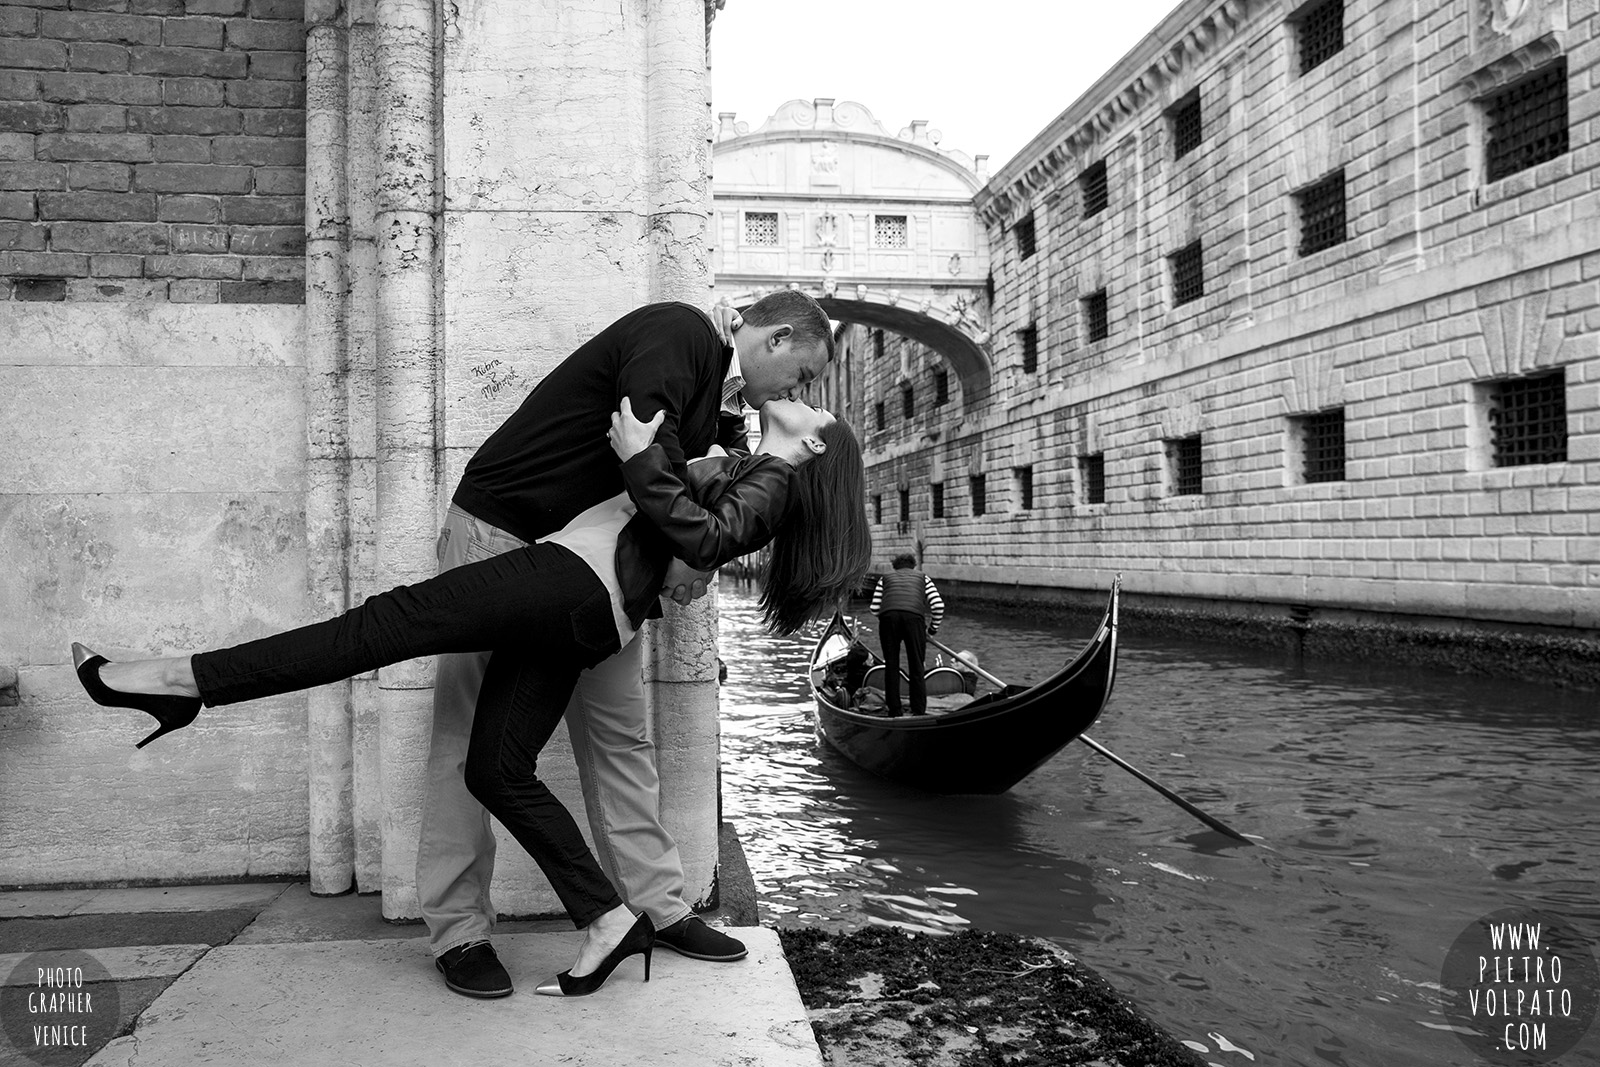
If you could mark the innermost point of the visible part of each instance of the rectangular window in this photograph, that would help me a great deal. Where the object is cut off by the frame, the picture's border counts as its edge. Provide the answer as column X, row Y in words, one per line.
column 1092, row 186
column 908, row 402
column 1321, row 438
column 1322, row 214
column 1319, row 30
column 941, row 388
column 1024, row 233
column 1185, row 118
column 877, row 414
column 1528, row 420
column 877, row 343
column 1188, row 281
column 877, row 508
column 889, row 231
column 1183, row 457
column 760, row 227
column 1028, row 340
column 1096, row 317
column 1023, row 476
column 980, row 502
column 1527, row 122
column 1093, row 469
column 938, row 499
column 905, row 507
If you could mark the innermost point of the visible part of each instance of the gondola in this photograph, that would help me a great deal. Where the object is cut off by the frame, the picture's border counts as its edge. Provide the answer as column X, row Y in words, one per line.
column 985, row 746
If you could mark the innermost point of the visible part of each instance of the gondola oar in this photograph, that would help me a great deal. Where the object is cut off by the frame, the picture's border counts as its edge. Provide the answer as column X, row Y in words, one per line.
column 1214, row 823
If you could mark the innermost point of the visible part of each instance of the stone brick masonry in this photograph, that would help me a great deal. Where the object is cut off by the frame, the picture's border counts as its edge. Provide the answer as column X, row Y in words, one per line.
column 152, row 150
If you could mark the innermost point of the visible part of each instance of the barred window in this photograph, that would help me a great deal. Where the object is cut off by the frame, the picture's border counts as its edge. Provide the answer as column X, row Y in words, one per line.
column 980, row 502
column 1322, row 446
column 1028, row 340
column 905, row 505
column 877, row 343
column 889, row 231
column 1528, row 420
column 1322, row 214
column 1527, row 122
column 1096, row 320
column 908, row 402
column 877, row 414
column 1320, row 29
column 1024, row 480
column 1188, row 280
column 1096, row 195
column 1024, row 234
column 1183, row 453
column 941, row 388
column 1093, row 470
column 877, row 508
column 760, row 227
column 1186, row 128
column 938, row 499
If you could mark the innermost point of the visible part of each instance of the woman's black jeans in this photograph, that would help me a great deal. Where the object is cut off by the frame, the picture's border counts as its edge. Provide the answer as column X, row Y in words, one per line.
column 545, row 616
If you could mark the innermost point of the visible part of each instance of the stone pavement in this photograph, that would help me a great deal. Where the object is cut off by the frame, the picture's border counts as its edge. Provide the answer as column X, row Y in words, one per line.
column 266, row 974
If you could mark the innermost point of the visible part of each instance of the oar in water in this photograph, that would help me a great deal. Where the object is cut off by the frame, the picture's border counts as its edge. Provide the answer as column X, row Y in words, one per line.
column 1211, row 821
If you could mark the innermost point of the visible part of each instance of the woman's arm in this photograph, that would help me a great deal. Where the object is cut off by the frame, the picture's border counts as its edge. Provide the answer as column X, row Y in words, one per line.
column 742, row 518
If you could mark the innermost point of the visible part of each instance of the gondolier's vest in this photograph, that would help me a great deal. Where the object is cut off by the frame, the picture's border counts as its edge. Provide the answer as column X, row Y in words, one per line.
column 905, row 590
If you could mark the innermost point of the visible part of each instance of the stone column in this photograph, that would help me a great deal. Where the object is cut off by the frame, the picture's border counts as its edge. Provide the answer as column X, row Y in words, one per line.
column 327, row 440
column 406, row 222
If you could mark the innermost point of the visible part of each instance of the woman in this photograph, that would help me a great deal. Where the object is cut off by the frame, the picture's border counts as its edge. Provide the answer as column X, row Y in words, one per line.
column 552, row 609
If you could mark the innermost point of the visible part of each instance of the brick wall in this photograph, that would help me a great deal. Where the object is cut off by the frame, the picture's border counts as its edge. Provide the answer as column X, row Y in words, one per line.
column 152, row 150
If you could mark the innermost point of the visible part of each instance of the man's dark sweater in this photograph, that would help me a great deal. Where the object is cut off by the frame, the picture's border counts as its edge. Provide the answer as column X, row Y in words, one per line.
column 550, row 460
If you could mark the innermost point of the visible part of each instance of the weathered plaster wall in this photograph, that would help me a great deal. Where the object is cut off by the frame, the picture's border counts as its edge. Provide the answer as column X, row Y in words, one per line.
column 152, row 500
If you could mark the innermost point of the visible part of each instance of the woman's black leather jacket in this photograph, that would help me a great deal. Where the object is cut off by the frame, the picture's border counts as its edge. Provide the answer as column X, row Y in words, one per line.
column 731, row 506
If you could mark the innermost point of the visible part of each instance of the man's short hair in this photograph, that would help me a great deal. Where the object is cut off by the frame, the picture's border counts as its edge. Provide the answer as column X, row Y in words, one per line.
column 905, row 561
column 791, row 306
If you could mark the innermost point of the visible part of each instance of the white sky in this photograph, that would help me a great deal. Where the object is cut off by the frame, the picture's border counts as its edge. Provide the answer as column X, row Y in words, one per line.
column 989, row 74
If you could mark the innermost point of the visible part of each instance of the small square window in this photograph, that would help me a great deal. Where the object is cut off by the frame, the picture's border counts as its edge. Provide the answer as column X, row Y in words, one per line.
column 1321, row 441
column 1186, row 127
column 1528, row 420
column 908, row 402
column 938, row 499
column 1093, row 469
column 1527, row 122
column 1183, row 458
column 980, row 501
column 1319, row 30
column 1023, row 476
column 877, row 508
column 1096, row 317
column 941, row 388
column 1092, row 185
column 889, row 231
column 760, row 227
column 1028, row 341
column 1024, row 234
column 1322, row 214
column 877, row 414
column 1188, row 280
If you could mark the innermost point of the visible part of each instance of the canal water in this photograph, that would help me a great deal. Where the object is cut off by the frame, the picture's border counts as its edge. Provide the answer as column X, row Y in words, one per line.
column 1400, row 804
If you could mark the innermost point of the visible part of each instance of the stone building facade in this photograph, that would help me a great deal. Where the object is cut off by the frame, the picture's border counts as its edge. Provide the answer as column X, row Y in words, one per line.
column 271, row 270
column 1296, row 313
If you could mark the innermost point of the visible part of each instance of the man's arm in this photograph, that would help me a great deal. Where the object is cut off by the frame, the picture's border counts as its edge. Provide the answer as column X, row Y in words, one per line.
column 876, row 607
column 935, row 605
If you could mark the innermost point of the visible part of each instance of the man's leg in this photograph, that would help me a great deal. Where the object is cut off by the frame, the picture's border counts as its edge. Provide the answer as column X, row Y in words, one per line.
column 455, row 850
column 891, row 634
column 621, row 793
column 916, row 665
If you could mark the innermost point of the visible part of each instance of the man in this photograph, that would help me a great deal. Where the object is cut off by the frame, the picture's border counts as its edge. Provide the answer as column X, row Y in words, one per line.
column 909, row 609
column 546, row 464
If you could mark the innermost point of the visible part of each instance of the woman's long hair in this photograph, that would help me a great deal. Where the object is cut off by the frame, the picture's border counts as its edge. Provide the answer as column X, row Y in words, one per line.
column 823, row 549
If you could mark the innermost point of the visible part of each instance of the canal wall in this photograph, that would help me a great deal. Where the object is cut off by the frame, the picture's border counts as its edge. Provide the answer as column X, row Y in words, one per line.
column 1297, row 307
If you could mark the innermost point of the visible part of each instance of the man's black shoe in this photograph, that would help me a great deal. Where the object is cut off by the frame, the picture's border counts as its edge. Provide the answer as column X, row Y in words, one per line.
column 691, row 937
column 474, row 971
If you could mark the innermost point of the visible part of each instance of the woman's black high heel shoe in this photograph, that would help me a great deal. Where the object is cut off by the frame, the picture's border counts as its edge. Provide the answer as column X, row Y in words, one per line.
column 641, row 937
column 173, row 713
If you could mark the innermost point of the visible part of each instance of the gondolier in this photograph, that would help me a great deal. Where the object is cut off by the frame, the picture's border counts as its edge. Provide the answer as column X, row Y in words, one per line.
column 909, row 608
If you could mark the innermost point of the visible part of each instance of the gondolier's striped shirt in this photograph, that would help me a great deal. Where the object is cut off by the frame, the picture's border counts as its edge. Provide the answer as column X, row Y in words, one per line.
column 929, row 590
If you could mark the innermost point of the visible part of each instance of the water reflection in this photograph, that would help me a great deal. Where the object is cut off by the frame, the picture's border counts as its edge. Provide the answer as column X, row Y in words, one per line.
column 1402, row 804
